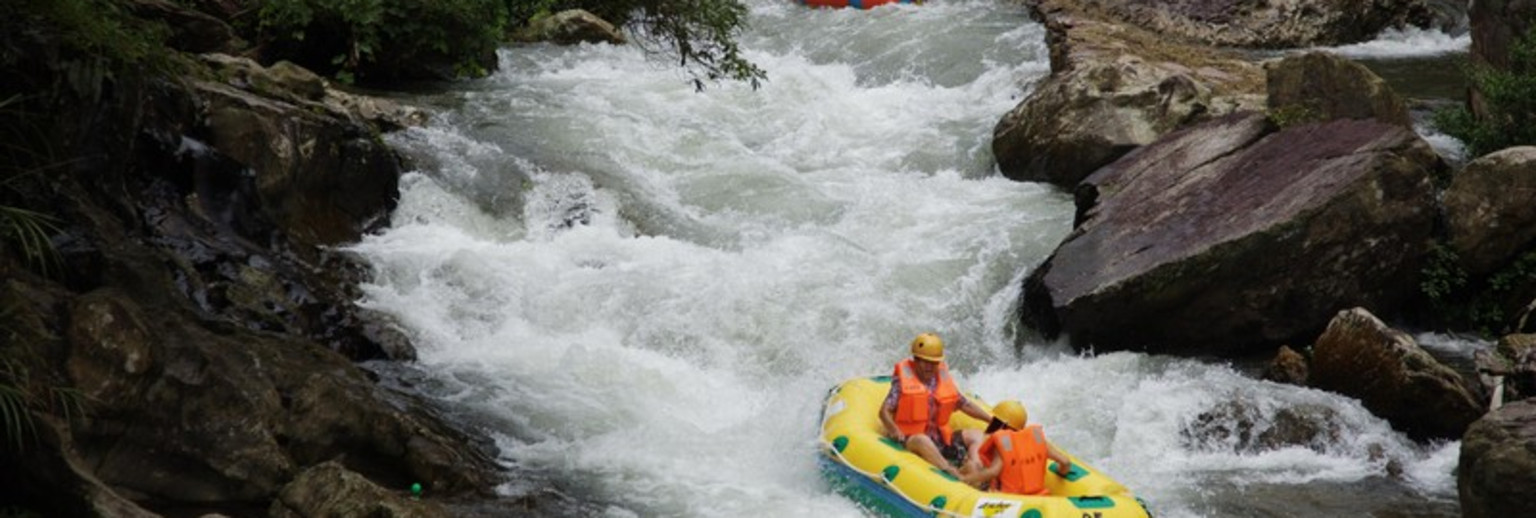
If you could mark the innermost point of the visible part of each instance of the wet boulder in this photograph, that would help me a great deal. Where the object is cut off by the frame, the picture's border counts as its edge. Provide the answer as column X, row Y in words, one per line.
column 1497, row 468
column 1318, row 86
column 329, row 489
column 1244, row 428
column 1361, row 357
column 1288, row 366
column 322, row 177
column 1270, row 24
column 1236, row 236
column 1112, row 88
column 197, row 415
column 1489, row 214
column 569, row 27
column 1510, row 366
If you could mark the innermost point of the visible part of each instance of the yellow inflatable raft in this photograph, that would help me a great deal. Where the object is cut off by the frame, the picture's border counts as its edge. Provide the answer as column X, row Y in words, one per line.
column 868, row 467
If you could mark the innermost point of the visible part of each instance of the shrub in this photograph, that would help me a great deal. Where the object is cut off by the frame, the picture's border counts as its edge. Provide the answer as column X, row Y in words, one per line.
column 1509, row 97
column 385, row 39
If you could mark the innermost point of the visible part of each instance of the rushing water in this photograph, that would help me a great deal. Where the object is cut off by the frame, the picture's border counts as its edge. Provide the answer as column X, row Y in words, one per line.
column 644, row 292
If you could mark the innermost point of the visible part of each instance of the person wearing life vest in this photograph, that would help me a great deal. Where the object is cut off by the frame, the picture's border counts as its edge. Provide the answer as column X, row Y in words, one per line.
column 1013, row 457
column 917, row 409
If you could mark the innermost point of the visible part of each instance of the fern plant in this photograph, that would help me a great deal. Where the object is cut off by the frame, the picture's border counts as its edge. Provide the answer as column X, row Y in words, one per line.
column 21, row 396
column 27, row 155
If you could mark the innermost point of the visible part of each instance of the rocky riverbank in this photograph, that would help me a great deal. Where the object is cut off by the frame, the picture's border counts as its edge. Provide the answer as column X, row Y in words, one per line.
column 1228, row 207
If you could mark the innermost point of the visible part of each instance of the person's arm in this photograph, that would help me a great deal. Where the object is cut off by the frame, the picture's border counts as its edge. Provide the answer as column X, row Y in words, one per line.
column 1063, row 464
column 974, row 410
column 888, row 418
column 888, row 422
column 981, row 477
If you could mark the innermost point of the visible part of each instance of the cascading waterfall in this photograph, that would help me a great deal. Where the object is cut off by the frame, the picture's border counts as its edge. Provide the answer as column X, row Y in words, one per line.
column 644, row 292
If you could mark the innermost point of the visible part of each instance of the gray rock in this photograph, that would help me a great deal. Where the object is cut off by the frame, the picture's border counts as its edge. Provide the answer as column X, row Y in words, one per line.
column 1489, row 213
column 1320, row 86
column 1230, row 237
column 1113, row 87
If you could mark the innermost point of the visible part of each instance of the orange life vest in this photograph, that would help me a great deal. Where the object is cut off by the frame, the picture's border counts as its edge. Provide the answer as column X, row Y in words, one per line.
column 1024, row 455
column 912, row 412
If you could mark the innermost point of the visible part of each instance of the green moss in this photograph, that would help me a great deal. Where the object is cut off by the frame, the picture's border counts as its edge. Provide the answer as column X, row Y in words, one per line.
column 1294, row 115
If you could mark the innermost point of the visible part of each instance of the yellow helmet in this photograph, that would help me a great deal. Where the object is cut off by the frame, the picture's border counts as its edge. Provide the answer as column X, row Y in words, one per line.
column 929, row 347
column 1012, row 413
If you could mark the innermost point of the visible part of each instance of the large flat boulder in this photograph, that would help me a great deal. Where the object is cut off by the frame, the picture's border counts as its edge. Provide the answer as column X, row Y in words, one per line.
column 1237, row 236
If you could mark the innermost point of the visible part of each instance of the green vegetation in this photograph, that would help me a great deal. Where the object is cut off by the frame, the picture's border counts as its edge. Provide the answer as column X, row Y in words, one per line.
column 97, row 40
column 1509, row 96
column 1442, row 276
column 26, row 158
column 355, row 40
column 58, row 55
column 1477, row 304
column 1294, row 115
column 701, row 32
column 22, row 395
column 352, row 38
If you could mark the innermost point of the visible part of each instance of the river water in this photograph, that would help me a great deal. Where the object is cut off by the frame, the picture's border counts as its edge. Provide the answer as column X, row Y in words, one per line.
column 644, row 292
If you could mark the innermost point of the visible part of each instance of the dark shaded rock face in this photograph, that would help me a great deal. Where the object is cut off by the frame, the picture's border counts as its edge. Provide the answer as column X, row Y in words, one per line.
column 1498, row 463
column 1391, row 375
column 194, row 311
column 328, row 489
column 1233, row 236
column 1496, row 25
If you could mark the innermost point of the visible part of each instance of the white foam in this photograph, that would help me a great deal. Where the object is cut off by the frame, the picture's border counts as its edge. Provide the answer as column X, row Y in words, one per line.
column 1407, row 43
column 734, row 254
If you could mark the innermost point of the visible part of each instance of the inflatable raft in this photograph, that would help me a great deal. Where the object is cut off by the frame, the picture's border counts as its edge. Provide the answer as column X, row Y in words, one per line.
column 868, row 467
column 857, row 4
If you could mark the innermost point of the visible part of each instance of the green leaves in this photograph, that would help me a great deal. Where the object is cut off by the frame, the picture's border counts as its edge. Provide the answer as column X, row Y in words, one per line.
column 21, row 396
column 1508, row 100
column 703, row 34
column 355, row 39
